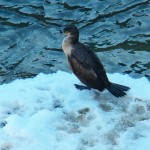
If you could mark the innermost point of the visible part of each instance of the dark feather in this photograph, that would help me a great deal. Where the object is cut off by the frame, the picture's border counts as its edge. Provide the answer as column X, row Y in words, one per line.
column 87, row 67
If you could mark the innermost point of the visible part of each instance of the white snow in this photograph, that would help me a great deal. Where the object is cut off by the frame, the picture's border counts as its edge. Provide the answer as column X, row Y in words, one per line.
column 48, row 113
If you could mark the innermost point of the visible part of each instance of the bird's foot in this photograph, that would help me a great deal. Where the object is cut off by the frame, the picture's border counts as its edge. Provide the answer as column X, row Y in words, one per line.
column 82, row 87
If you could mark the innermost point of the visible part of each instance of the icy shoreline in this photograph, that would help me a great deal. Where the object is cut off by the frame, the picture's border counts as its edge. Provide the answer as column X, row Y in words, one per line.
column 48, row 112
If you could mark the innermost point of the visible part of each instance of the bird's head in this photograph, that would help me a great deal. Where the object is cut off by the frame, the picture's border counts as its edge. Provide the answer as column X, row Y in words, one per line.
column 71, row 30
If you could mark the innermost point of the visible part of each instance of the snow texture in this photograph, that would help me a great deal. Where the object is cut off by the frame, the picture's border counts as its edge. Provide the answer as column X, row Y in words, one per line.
column 48, row 113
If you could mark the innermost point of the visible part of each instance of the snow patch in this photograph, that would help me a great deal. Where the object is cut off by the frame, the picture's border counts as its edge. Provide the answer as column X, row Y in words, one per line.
column 48, row 112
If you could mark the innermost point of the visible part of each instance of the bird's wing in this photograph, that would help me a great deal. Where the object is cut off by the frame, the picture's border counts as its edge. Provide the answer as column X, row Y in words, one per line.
column 85, row 74
column 86, row 65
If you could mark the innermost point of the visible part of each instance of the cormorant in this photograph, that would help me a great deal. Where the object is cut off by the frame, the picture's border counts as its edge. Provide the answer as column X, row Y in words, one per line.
column 86, row 65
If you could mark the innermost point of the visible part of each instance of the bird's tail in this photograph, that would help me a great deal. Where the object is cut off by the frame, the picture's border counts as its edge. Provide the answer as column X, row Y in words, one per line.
column 117, row 90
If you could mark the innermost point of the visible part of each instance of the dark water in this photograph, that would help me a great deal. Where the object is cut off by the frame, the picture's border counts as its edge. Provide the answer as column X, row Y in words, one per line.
column 31, row 35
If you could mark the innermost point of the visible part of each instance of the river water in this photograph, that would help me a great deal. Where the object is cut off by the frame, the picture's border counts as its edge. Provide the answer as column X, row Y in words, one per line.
column 31, row 35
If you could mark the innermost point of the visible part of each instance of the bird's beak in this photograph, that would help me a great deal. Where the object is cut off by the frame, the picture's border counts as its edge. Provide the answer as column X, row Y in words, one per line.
column 66, row 33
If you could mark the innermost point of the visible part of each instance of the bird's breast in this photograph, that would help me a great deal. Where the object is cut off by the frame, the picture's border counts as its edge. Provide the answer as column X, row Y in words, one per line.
column 66, row 46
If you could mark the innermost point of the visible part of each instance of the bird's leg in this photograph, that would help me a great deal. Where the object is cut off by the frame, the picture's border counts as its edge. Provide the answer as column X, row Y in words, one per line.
column 82, row 87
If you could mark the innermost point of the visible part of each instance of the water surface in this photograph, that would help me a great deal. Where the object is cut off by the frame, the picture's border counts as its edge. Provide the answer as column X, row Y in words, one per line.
column 31, row 35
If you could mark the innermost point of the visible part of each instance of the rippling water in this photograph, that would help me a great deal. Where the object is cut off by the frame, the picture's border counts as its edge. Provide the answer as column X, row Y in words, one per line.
column 31, row 35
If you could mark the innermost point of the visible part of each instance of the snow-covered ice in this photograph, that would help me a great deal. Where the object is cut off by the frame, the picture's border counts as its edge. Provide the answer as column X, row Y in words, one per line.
column 48, row 113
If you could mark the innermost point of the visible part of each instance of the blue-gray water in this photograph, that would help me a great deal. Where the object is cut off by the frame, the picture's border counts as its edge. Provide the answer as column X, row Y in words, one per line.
column 31, row 35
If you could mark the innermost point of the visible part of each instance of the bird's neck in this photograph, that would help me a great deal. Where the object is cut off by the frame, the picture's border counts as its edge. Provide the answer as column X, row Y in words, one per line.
column 68, row 41
column 72, row 38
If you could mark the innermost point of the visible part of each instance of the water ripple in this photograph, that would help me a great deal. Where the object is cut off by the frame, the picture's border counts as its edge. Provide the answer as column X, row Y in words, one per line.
column 31, row 35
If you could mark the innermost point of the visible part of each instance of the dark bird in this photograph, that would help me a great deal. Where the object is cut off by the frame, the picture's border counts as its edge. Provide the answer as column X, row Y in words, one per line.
column 86, row 65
